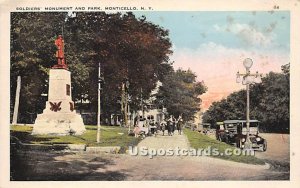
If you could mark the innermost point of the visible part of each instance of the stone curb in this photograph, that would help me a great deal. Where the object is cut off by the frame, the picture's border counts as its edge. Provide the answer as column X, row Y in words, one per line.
column 70, row 147
column 76, row 147
column 106, row 149
column 43, row 146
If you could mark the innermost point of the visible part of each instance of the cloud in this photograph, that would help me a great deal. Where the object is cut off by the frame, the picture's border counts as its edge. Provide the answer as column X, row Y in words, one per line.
column 217, row 28
column 248, row 34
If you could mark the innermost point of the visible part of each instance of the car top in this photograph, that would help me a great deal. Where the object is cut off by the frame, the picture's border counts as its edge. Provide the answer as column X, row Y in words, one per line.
column 240, row 121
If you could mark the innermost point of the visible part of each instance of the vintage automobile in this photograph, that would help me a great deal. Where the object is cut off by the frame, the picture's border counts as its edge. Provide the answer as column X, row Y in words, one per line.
column 220, row 131
column 206, row 127
column 231, row 131
column 236, row 134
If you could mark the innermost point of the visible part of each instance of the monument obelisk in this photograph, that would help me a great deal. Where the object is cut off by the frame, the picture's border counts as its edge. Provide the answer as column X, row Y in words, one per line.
column 59, row 117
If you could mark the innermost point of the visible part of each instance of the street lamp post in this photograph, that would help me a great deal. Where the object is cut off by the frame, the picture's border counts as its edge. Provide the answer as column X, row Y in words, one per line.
column 142, row 104
column 248, row 79
column 128, row 113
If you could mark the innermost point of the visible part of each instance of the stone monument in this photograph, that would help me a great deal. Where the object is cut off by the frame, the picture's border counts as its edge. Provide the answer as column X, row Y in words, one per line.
column 59, row 117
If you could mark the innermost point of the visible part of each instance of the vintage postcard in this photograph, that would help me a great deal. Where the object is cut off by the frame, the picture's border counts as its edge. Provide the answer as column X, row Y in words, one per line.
column 150, row 93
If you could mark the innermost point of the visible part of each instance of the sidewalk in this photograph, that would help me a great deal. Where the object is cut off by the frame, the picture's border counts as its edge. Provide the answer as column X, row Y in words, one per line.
column 164, row 142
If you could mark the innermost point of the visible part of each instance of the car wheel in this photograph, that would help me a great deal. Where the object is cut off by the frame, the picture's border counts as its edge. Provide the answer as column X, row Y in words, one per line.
column 220, row 139
column 239, row 144
column 265, row 145
column 226, row 140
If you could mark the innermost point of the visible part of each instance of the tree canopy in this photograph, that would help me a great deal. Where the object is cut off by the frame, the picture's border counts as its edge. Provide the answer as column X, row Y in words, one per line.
column 269, row 103
column 128, row 48
column 180, row 93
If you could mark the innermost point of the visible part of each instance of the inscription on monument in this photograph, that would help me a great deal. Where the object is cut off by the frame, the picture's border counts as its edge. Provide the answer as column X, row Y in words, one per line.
column 68, row 89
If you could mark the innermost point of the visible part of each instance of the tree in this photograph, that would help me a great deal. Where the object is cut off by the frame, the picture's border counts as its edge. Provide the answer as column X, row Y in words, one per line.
column 32, row 52
column 269, row 103
column 180, row 92
column 275, row 104
column 128, row 48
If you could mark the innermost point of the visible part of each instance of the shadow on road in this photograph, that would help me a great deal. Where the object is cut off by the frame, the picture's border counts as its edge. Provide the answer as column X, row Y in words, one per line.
column 52, row 166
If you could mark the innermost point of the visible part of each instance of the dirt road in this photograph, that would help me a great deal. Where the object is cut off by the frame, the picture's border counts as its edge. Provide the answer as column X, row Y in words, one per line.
column 278, row 147
column 83, row 166
column 37, row 165
column 278, row 152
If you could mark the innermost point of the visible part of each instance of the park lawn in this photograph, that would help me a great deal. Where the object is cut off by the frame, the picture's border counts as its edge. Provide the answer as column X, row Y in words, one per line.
column 198, row 141
column 110, row 136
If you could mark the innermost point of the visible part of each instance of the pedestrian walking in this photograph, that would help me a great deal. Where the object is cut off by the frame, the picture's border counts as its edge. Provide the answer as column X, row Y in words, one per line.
column 163, row 125
column 171, row 126
column 179, row 124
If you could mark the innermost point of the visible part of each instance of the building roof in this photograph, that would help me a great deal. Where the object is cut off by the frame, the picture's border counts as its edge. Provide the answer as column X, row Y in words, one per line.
column 240, row 121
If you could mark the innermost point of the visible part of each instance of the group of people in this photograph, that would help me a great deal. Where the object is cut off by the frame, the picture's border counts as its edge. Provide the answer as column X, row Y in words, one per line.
column 147, row 126
column 171, row 125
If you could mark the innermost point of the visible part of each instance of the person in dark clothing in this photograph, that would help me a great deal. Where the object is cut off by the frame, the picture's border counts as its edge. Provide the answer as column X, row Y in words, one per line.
column 179, row 124
column 169, row 127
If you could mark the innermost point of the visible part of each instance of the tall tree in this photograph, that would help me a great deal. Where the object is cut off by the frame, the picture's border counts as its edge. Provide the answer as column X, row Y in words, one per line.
column 180, row 93
column 127, row 47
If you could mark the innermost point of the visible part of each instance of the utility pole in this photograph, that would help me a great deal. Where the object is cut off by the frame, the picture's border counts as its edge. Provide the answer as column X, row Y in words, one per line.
column 17, row 99
column 123, row 106
column 142, row 103
column 99, row 105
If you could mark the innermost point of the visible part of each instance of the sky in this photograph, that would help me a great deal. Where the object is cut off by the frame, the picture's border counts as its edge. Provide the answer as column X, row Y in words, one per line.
column 213, row 44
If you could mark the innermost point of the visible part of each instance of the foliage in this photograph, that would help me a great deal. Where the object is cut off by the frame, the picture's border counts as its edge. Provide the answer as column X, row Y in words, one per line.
column 127, row 47
column 200, row 141
column 21, row 128
column 180, row 92
column 269, row 103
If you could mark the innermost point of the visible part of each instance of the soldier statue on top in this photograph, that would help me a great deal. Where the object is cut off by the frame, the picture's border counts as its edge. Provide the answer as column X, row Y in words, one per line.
column 61, row 64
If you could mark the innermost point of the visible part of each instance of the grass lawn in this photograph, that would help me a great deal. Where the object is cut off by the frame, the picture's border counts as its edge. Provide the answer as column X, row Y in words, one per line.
column 110, row 136
column 198, row 141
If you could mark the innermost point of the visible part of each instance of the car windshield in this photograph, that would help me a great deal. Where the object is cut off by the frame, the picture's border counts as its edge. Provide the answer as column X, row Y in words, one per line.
column 230, row 126
column 254, row 124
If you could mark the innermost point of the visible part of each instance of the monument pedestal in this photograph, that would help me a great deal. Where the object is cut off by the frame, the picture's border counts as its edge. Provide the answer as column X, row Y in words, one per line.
column 59, row 117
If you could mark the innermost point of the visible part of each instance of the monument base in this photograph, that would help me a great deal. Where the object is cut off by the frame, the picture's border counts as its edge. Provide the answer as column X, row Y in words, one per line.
column 58, row 124
column 59, row 117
